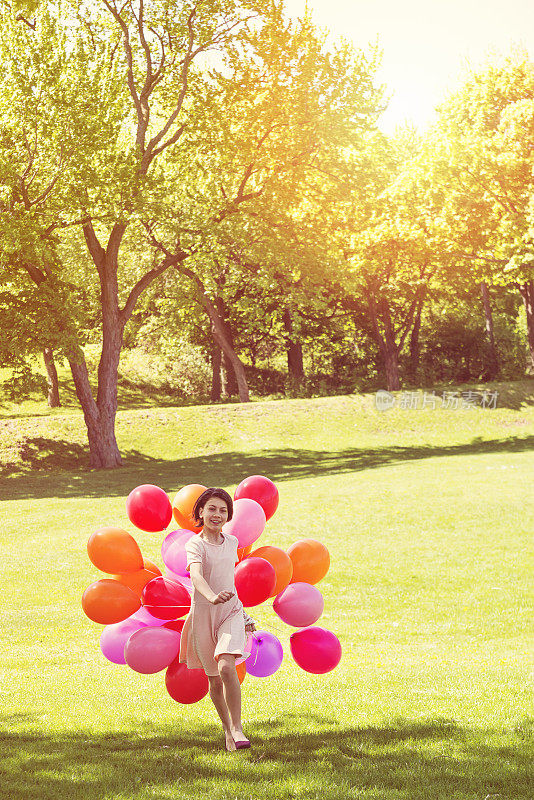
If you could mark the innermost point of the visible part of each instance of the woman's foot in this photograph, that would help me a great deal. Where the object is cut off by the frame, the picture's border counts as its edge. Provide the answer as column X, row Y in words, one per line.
column 230, row 744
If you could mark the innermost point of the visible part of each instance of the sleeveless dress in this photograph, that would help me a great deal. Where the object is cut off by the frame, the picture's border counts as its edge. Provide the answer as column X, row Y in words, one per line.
column 209, row 631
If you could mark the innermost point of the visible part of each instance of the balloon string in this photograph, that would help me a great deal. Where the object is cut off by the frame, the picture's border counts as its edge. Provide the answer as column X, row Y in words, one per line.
column 257, row 651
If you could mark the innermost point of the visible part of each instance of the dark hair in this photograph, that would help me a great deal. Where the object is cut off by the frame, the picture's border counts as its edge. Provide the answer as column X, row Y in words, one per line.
column 205, row 496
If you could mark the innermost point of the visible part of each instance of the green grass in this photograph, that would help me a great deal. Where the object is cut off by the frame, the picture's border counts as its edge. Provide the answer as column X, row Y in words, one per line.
column 428, row 516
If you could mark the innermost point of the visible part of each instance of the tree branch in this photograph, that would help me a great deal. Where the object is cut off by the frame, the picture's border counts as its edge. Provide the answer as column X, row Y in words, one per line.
column 148, row 278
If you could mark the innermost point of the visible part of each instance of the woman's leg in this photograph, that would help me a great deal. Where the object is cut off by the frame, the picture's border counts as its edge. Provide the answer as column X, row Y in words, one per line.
column 217, row 696
column 232, row 694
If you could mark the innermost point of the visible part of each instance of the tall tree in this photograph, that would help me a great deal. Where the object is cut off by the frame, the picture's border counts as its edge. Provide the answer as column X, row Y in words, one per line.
column 483, row 144
column 64, row 165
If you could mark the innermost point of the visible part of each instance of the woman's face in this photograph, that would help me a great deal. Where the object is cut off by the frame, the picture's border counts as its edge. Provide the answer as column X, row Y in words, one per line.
column 214, row 514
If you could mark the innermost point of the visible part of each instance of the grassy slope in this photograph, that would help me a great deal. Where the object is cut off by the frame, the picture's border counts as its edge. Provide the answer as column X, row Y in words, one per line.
column 428, row 518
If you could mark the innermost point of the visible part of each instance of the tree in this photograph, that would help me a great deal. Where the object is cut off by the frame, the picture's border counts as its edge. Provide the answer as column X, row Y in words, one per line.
column 64, row 167
column 391, row 245
column 272, row 123
column 484, row 145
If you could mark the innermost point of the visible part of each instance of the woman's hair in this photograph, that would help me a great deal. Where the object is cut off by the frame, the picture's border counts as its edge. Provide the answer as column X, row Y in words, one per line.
column 205, row 496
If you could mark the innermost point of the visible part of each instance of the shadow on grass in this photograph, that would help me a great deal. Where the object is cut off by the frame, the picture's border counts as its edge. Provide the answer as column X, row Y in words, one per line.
column 513, row 395
column 218, row 469
column 131, row 395
column 412, row 760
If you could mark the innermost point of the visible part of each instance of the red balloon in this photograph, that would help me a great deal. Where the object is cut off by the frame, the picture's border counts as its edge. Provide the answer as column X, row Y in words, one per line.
column 149, row 508
column 260, row 489
column 315, row 649
column 186, row 685
column 174, row 625
column 255, row 580
column 166, row 599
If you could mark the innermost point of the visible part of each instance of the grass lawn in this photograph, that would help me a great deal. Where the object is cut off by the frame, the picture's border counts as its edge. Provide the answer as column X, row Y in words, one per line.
column 428, row 516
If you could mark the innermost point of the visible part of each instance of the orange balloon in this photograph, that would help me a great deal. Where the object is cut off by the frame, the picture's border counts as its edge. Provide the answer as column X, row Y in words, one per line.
column 241, row 670
column 183, row 503
column 242, row 552
column 311, row 561
column 114, row 550
column 136, row 581
column 283, row 566
column 108, row 601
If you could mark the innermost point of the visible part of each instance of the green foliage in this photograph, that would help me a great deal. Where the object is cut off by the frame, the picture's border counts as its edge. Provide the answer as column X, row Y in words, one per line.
column 176, row 367
column 257, row 177
column 483, row 148
column 23, row 381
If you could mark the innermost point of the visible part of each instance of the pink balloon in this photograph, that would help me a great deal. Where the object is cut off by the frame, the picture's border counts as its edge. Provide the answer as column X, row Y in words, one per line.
column 146, row 618
column 315, row 649
column 247, row 522
column 114, row 637
column 176, row 558
column 152, row 649
column 247, row 651
column 299, row 604
column 180, row 535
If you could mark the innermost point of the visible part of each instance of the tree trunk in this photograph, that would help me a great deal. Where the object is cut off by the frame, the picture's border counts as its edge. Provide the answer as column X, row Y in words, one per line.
column 103, row 449
column 415, row 346
column 389, row 351
column 221, row 336
column 527, row 293
column 391, row 366
column 492, row 367
column 230, row 383
column 295, row 362
column 51, row 378
column 230, row 386
column 215, row 371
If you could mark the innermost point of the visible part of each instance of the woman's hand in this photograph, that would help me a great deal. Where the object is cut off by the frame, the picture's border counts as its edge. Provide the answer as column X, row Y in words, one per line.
column 222, row 597
column 250, row 627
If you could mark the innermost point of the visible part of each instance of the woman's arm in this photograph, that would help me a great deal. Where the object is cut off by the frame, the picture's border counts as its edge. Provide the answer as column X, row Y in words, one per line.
column 202, row 586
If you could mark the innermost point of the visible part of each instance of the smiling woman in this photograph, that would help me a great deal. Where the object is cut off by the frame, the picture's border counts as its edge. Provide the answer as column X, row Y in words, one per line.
column 213, row 636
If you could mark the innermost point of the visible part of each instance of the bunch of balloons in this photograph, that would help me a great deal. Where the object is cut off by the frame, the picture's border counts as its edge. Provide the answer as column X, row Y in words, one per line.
column 143, row 609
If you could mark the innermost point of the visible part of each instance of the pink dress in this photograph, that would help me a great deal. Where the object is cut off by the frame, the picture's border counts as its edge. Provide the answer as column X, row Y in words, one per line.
column 209, row 630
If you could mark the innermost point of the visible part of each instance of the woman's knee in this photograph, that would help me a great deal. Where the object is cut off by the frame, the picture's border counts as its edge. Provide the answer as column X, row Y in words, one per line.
column 226, row 669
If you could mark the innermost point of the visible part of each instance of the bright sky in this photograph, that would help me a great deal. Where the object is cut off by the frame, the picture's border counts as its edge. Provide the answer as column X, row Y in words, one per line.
column 426, row 43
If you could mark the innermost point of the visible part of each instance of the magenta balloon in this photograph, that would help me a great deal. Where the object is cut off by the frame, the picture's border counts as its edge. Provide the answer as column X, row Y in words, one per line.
column 299, row 604
column 152, row 649
column 315, row 649
column 114, row 637
column 247, row 522
column 266, row 655
column 146, row 618
column 181, row 535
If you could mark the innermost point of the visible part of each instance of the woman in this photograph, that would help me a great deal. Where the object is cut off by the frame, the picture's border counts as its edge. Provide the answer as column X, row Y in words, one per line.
column 213, row 636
